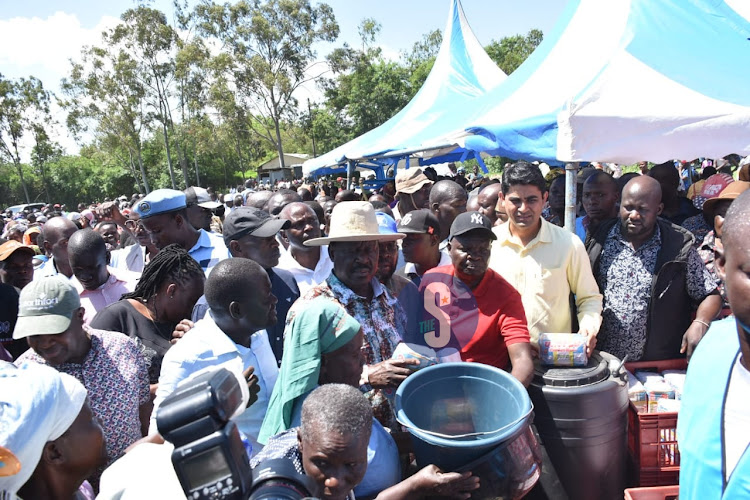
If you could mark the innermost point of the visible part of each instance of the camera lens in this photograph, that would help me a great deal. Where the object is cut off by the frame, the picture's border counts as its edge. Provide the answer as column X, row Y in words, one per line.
column 279, row 489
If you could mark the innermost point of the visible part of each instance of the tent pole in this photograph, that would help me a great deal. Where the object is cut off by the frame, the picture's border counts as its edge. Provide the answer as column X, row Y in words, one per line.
column 349, row 173
column 571, row 177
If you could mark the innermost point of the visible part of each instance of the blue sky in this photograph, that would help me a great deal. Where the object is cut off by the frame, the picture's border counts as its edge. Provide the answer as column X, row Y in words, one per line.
column 39, row 37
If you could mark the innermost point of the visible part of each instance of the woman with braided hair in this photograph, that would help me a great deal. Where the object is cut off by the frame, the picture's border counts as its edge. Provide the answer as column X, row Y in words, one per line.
column 169, row 287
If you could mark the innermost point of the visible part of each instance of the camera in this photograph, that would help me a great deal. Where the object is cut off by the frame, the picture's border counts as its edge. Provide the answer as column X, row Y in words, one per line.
column 277, row 479
column 209, row 456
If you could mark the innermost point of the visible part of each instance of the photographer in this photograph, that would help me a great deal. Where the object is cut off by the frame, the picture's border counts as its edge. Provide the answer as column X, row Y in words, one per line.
column 330, row 446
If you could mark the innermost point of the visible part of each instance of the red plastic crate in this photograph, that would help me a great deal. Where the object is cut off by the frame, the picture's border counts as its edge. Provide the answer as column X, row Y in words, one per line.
column 652, row 437
column 657, row 493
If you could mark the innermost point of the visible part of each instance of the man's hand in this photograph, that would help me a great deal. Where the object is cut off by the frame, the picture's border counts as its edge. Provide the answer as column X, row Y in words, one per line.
column 434, row 482
column 693, row 335
column 181, row 329
column 252, row 385
column 391, row 372
column 589, row 327
column 110, row 211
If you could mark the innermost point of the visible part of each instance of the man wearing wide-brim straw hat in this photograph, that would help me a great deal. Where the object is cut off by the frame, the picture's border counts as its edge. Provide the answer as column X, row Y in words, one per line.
column 353, row 248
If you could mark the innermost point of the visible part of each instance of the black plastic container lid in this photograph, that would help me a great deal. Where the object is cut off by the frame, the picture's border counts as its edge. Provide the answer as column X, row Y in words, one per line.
column 594, row 372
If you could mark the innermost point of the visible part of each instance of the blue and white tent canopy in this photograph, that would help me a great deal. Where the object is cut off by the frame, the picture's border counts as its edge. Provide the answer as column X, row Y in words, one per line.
column 462, row 72
column 623, row 81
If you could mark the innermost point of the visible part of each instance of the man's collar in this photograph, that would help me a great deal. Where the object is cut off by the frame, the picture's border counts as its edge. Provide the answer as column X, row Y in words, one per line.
column 346, row 294
column 504, row 236
column 204, row 240
column 222, row 344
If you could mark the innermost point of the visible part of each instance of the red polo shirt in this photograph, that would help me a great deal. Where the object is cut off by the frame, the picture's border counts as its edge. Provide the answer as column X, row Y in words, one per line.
column 484, row 321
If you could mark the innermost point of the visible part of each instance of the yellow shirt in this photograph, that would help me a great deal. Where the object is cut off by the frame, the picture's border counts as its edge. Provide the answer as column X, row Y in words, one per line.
column 544, row 272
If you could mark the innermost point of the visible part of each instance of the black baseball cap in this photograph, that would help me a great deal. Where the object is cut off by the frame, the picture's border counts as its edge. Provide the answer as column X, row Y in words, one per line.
column 419, row 221
column 471, row 221
column 248, row 220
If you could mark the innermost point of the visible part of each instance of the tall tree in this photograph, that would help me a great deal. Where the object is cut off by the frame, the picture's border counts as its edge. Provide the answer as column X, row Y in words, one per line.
column 511, row 51
column 24, row 107
column 270, row 44
column 367, row 89
column 104, row 92
column 150, row 41
column 44, row 152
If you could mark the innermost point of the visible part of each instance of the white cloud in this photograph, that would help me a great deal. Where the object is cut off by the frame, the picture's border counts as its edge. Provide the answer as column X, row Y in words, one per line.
column 43, row 48
column 29, row 43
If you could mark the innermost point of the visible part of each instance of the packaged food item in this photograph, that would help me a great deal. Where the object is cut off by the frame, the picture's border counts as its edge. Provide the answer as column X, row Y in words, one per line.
column 423, row 354
column 562, row 349
column 637, row 394
column 646, row 376
column 675, row 378
column 663, row 405
column 656, row 388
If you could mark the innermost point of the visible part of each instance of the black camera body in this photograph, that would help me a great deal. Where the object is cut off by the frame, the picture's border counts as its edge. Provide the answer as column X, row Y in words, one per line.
column 209, row 457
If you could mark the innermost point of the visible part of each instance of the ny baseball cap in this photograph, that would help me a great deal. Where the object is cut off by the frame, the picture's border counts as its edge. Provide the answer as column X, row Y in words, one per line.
column 160, row 201
column 46, row 307
column 199, row 196
column 471, row 221
column 419, row 221
column 248, row 220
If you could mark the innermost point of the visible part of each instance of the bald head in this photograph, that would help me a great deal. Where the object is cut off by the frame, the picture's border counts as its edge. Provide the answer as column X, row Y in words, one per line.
column 603, row 178
column 643, row 186
column 58, row 228
column 447, row 200
column 281, row 199
column 56, row 233
column 86, row 241
column 228, row 282
column 258, row 200
column 640, row 208
column 487, row 200
column 736, row 228
column 446, row 190
column 87, row 254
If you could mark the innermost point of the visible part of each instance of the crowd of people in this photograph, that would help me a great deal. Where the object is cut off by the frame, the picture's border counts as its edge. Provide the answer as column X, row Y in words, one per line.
column 306, row 291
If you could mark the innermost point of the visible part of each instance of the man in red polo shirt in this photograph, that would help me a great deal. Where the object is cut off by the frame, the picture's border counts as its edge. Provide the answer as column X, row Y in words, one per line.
column 471, row 308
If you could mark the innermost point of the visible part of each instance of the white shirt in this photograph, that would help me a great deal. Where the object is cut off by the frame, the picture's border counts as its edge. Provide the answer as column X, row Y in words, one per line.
column 445, row 259
column 737, row 416
column 307, row 278
column 131, row 258
column 209, row 250
column 206, row 345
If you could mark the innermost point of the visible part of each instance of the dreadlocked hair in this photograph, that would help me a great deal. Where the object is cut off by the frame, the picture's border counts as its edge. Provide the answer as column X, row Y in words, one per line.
column 171, row 263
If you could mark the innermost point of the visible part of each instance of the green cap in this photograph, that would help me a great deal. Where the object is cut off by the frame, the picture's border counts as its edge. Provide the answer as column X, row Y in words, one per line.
column 46, row 307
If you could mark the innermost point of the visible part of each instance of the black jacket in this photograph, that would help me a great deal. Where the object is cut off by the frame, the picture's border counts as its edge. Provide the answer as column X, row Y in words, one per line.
column 670, row 306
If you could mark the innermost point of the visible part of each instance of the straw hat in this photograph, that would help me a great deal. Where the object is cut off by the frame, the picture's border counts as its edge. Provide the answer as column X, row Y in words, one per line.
column 353, row 221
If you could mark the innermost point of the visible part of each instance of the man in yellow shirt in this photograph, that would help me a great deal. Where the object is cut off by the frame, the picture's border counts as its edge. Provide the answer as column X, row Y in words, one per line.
column 545, row 263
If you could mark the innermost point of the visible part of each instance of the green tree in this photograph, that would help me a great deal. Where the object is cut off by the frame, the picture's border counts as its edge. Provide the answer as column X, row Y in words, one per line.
column 422, row 57
column 270, row 45
column 511, row 51
column 44, row 152
column 149, row 40
column 24, row 107
column 105, row 93
column 367, row 89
